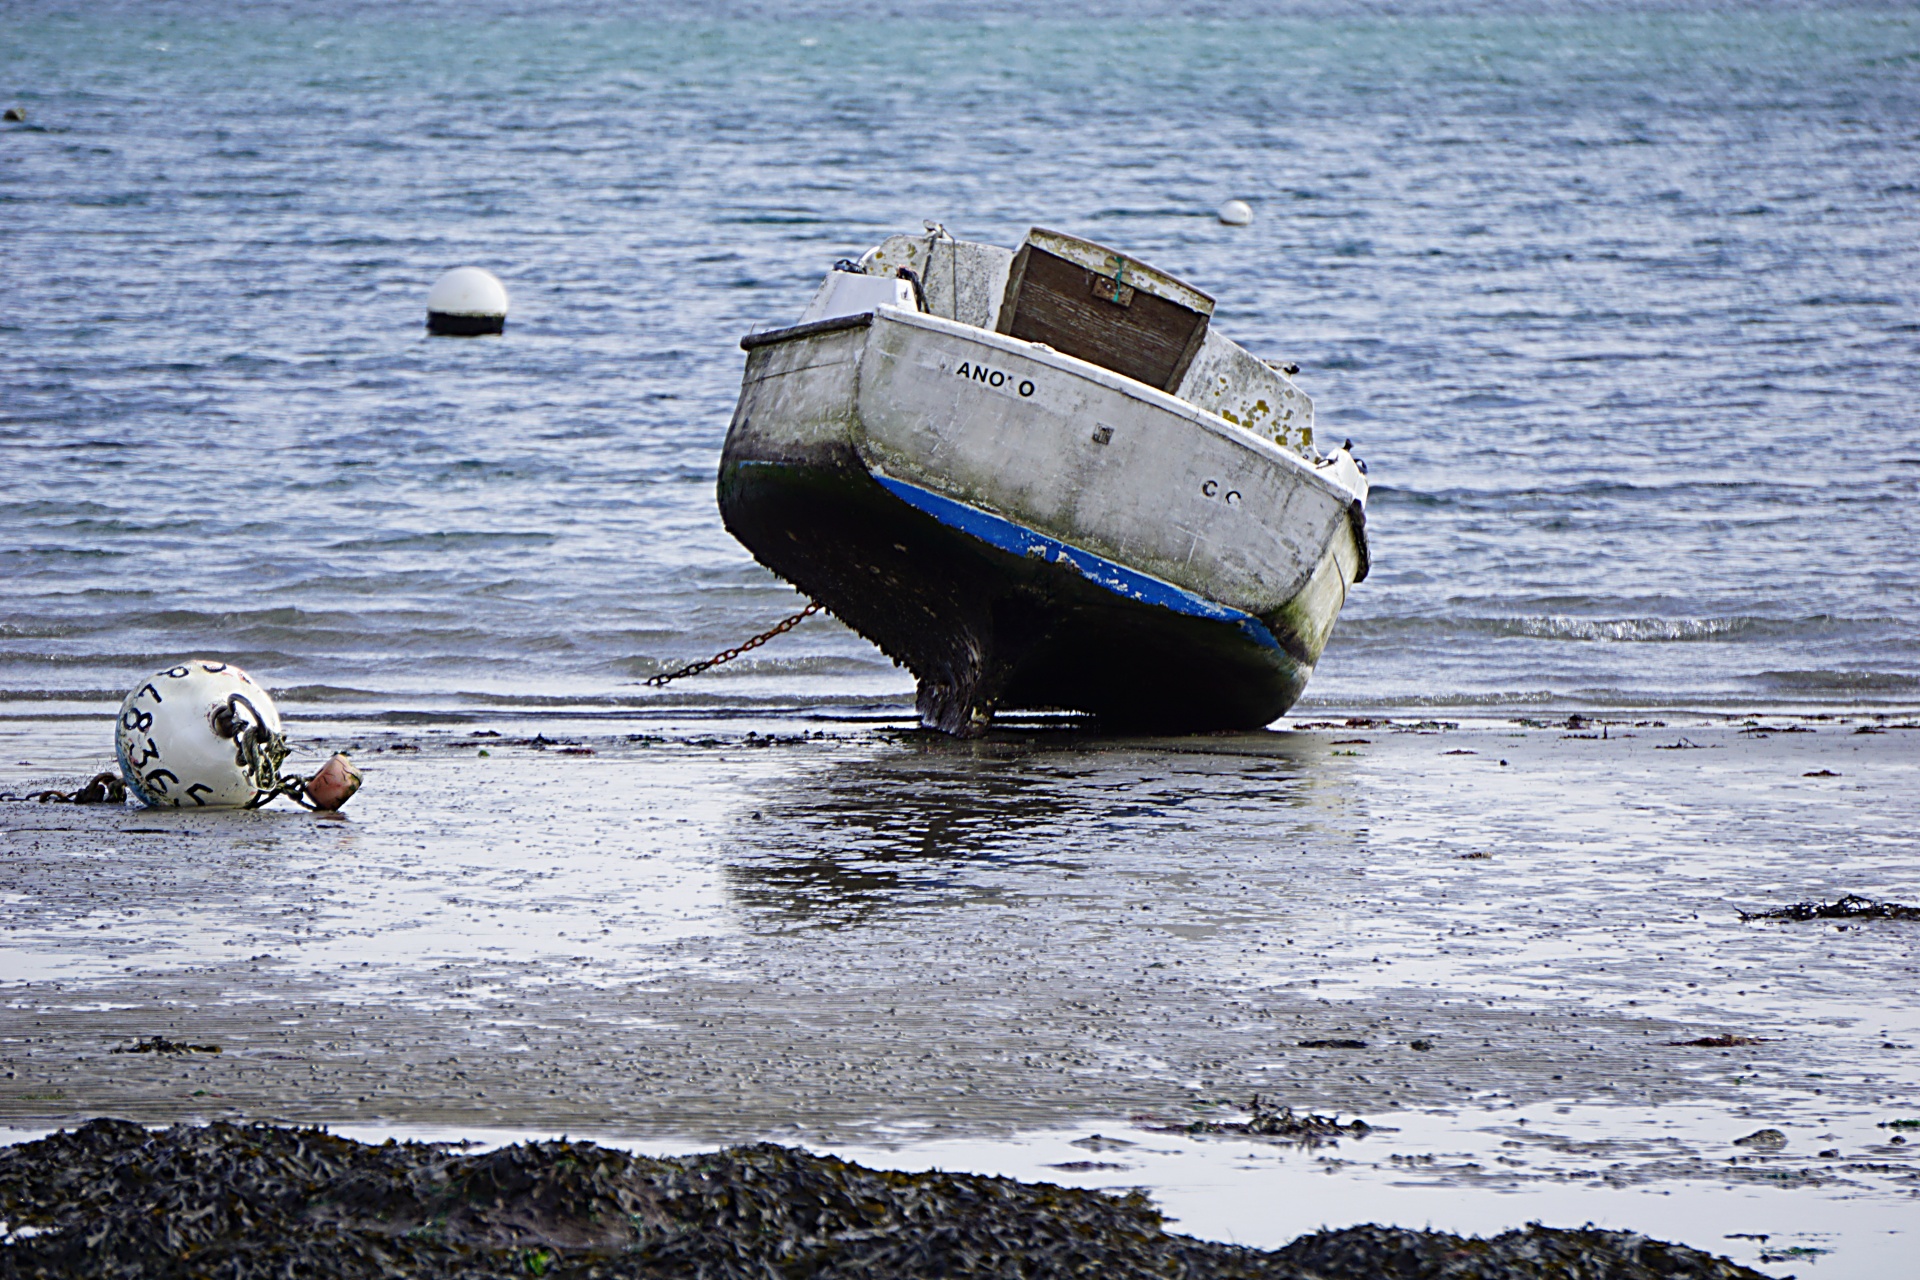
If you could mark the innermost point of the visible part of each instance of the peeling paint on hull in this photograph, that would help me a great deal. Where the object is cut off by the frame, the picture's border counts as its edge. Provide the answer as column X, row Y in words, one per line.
column 986, row 537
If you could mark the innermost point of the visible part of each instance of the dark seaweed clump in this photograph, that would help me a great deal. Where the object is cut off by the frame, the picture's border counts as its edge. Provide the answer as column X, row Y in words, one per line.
column 115, row 1201
column 1851, row 907
column 160, row 1044
column 1268, row 1120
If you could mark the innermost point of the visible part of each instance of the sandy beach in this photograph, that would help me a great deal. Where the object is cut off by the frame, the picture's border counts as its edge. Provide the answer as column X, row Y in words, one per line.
column 1492, row 940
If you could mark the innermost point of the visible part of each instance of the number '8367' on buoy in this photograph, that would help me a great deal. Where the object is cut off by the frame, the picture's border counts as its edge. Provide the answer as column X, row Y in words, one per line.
column 200, row 735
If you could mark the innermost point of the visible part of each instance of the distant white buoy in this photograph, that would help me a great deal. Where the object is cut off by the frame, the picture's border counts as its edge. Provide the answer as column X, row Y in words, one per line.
column 199, row 735
column 1236, row 213
column 467, row 302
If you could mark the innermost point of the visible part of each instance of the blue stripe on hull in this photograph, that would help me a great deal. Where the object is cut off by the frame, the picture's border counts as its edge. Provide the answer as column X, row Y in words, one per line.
column 1019, row 540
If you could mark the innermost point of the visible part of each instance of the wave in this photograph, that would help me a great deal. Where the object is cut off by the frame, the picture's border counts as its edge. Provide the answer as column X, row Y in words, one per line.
column 1666, row 630
column 1651, row 629
column 1795, row 692
column 463, row 539
column 1487, row 400
column 1773, row 488
column 1810, row 695
column 1842, row 682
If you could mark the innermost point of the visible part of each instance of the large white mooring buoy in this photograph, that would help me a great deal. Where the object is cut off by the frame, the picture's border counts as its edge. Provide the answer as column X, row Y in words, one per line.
column 203, row 735
column 467, row 302
column 1235, row 213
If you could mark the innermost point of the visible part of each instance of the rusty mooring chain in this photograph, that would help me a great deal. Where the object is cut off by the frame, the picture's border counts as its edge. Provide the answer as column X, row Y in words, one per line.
column 103, row 789
column 728, row 655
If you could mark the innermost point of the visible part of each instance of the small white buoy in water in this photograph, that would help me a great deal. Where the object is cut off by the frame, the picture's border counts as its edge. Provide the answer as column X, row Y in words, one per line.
column 203, row 735
column 1236, row 213
column 467, row 302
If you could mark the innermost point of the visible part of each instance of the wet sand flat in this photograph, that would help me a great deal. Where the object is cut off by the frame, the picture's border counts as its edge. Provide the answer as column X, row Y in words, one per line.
column 857, row 936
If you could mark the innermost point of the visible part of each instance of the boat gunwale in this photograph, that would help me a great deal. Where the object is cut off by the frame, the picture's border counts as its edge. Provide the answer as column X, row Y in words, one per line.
column 1072, row 366
column 812, row 328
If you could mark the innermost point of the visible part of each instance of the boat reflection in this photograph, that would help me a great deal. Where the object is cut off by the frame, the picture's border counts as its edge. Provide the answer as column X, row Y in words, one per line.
column 926, row 823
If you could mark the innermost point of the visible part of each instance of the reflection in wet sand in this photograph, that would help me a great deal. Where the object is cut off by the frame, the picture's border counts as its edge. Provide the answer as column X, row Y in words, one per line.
column 896, row 831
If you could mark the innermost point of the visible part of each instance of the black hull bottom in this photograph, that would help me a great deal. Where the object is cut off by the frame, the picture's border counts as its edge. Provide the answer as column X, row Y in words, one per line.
column 983, row 629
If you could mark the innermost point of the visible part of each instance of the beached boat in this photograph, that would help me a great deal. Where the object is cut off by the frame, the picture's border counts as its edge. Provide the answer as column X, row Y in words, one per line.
column 1039, row 479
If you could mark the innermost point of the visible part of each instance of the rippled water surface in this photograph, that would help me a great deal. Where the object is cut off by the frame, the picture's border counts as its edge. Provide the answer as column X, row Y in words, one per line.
column 1620, row 307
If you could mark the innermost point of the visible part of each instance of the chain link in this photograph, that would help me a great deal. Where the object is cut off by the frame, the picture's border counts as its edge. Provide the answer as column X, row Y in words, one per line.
column 728, row 655
column 104, row 788
column 259, row 752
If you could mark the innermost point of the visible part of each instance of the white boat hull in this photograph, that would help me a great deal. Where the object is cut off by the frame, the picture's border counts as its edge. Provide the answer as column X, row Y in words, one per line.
column 1110, row 505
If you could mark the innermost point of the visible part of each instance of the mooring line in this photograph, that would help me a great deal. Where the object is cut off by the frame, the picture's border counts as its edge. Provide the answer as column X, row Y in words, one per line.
column 728, row 655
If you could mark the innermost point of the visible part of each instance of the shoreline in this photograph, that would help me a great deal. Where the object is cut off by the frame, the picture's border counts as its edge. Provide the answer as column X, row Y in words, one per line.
column 867, row 706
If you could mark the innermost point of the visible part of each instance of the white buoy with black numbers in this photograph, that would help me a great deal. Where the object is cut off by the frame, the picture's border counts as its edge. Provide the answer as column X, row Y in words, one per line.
column 466, row 303
column 203, row 735
column 1236, row 213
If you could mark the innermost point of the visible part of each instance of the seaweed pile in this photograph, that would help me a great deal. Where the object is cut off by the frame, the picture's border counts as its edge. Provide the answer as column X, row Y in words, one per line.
column 1851, row 907
column 1269, row 1120
column 115, row 1200
column 160, row 1044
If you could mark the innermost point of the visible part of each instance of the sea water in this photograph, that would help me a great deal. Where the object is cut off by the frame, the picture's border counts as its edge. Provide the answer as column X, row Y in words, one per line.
column 1618, row 302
